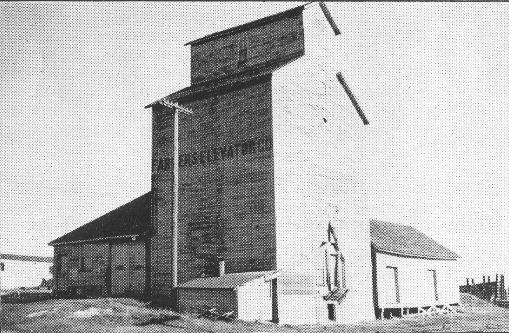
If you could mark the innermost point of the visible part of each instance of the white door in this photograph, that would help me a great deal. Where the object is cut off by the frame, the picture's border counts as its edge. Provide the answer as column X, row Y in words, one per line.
column 391, row 286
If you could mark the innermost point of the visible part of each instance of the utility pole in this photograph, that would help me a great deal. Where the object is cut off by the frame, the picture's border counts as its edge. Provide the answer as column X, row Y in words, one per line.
column 177, row 109
column 2, row 267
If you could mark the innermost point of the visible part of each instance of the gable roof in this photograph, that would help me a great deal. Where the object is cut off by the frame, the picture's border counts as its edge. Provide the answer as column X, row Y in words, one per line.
column 406, row 241
column 227, row 281
column 129, row 220
column 249, row 25
column 18, row 257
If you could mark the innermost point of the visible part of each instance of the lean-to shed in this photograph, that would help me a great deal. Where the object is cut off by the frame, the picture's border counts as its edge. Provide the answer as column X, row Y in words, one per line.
column 249, row 295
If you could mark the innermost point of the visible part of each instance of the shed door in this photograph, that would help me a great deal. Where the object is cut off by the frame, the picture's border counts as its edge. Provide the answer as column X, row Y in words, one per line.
column 127, row 268
column 391, row 286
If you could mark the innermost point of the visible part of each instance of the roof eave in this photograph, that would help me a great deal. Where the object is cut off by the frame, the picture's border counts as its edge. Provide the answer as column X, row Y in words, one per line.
column 409, row 255
column 91, row 240
column 246, row 26
column 229, row 81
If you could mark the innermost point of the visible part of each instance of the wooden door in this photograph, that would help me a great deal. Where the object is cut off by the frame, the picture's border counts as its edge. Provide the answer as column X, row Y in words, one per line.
column 127, row 268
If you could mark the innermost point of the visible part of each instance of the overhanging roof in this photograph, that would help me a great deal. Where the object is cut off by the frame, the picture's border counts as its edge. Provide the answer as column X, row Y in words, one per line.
column 18, row 257
column 406, row 241
column 226, row 83
column 247, row 26
column 129, row 220
column 227, row 281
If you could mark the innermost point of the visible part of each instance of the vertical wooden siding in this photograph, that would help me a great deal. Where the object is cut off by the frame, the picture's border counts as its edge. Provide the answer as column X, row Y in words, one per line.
column 226, row 206
column 271, row 42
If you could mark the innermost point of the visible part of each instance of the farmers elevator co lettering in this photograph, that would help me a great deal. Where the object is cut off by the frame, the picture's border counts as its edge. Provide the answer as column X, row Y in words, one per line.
column 208, row 156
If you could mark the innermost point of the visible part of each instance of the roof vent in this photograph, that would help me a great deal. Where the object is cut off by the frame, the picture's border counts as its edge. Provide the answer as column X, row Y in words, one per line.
column 221, row 267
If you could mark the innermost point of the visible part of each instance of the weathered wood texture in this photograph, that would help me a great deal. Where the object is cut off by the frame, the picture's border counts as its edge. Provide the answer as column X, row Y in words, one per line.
column 271, row 42
column 88, row 267
column 81, row 266
column 198, row 300
column 128, row 268
column 226, row 194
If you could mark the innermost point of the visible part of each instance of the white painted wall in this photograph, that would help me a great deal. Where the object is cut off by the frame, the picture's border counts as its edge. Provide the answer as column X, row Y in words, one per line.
column 355, row 244
column 313, row 177
column 255, row 300
column 415, row 284
column 19, row 273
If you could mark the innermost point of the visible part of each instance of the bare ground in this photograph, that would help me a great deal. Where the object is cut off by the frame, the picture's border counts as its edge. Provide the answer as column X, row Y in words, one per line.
column 110, row 315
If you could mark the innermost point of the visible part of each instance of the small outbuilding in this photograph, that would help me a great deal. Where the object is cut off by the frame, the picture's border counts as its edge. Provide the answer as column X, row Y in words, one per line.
column 248, row 295
column 410, row 270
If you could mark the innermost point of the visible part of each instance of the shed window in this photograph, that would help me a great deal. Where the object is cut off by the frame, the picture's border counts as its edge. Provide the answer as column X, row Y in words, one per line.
column 242, row 52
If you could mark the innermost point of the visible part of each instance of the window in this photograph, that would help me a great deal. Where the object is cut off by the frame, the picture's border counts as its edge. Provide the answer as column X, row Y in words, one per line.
column 392, row 285
column 433, row 283
column 242, row 52
column 82, row 264
column 331, row 309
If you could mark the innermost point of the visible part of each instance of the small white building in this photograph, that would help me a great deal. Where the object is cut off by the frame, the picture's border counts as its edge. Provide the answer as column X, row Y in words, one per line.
column 410, row 270
column 24, row 271
column 248, row 296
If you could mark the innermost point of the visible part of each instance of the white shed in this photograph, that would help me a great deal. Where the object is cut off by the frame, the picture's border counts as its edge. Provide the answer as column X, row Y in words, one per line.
column 249, row 295
column 410, row 270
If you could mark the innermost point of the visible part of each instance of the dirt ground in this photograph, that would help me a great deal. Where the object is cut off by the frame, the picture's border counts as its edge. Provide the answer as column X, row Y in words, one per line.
column 110, row 315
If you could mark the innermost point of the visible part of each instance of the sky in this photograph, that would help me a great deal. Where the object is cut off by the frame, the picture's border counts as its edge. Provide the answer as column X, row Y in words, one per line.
column 432, row 78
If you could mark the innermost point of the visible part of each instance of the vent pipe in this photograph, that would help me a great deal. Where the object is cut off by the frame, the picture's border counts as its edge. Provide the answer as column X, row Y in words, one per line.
column 221, row 267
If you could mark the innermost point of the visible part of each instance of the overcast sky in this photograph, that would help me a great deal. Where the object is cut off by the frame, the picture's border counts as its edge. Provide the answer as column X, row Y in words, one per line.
column 432, row 78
